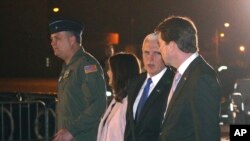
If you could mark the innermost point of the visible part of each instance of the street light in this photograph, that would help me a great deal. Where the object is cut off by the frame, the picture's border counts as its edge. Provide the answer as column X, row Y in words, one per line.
column 222, row 34
column 218, row 36
column 55, row 9
column 242, row 48
column 226, row 24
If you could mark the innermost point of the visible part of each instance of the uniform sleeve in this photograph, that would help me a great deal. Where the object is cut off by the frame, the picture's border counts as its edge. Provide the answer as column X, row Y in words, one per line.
column 94, row 89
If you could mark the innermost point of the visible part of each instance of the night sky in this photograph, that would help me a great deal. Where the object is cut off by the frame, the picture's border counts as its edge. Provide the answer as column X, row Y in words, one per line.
column 25, row 44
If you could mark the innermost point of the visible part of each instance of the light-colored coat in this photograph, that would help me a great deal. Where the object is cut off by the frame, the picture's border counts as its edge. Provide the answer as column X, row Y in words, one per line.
column 114, row 126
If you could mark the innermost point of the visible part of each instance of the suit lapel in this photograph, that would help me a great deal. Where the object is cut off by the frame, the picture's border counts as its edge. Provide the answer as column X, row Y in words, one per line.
column 181, row 83
column 137, row 88
column 160, row 89
column 106, row 114
column 132, row 94
column 113, row 111
column 133, row 91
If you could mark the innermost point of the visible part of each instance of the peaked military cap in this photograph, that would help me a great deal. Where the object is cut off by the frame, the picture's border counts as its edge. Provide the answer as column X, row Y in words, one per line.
column 65, row 25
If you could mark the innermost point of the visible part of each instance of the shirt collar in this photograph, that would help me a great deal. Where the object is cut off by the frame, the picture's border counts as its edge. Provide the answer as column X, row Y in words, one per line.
column 187, row 62
column 77, row 54
column 156, row 78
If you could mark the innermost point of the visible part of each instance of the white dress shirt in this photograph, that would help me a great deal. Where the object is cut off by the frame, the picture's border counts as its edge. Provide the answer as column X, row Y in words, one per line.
column 155, row 79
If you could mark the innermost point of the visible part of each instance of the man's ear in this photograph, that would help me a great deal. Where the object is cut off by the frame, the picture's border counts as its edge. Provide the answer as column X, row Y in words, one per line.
column 72, row 40
column 172, row 46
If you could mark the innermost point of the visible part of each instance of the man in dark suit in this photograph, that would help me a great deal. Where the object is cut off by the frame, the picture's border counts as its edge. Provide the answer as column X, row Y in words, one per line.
column 192, row 112
column 144, row 120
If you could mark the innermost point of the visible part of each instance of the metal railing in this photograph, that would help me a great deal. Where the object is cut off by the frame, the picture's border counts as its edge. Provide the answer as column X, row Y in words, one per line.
column 26, row 121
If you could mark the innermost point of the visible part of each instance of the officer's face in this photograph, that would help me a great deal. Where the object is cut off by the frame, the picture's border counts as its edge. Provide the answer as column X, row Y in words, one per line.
column 61, row 44
column 152, row 59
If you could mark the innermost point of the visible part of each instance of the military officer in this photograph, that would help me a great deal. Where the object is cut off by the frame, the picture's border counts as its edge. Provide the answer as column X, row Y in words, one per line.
column 81, row 85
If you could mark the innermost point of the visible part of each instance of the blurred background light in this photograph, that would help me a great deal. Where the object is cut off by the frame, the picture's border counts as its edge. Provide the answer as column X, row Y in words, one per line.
column 56, row 9
column 222, row 68
column 242, row 48
column 226, row 24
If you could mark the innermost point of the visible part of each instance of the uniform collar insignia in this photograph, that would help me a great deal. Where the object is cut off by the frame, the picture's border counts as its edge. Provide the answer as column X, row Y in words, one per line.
column 66, row 74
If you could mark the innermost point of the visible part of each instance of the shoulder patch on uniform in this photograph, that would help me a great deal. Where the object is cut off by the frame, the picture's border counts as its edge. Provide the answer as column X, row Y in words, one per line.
column 90, row 69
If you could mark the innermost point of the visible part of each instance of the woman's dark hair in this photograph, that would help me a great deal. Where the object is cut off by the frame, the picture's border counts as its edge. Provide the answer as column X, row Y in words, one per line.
column 124, row 67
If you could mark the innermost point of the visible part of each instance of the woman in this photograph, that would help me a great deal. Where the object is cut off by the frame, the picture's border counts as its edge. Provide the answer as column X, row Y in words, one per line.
column 122, row 68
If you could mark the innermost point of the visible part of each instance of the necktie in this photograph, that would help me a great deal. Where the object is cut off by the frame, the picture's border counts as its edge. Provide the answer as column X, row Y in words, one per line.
column 177, row 78
column 143, row 98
